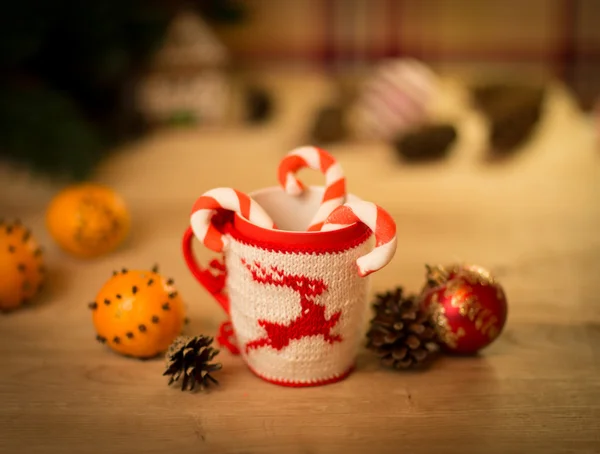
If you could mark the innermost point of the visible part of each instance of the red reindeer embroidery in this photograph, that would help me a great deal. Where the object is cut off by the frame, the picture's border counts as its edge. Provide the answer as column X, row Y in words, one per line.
column 310, row 322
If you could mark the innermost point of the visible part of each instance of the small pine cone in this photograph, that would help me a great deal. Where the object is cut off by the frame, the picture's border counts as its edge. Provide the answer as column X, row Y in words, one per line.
column 189, row 358
column 401, row 333
column 428, row 142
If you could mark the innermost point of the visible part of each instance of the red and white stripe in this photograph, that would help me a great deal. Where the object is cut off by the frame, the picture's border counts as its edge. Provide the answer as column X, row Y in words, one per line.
column 230, row 199
column 396, row 98
column 316, row 159
column 381, row 224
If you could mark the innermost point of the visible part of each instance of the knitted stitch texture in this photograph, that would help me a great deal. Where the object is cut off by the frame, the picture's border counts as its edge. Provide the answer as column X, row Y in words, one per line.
column 298, row 317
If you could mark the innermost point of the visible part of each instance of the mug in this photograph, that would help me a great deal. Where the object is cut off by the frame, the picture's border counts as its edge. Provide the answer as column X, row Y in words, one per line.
column 295, row 300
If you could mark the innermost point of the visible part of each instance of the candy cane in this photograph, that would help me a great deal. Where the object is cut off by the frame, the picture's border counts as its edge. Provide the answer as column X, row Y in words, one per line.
column 380, row 223
column 316, row 159
column 228, row 199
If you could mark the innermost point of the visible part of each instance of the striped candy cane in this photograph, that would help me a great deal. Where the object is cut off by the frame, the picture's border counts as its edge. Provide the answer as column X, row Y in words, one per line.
column 380, row 223
column 316, row 159
column 228, row 199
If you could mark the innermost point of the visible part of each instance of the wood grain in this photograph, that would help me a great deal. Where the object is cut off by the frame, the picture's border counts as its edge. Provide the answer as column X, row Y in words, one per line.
column 534, row 220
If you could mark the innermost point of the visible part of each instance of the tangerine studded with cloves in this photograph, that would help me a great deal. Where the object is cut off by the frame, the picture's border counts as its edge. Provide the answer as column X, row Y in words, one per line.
column 22, row 271
column 129, row 313
column 88, row 220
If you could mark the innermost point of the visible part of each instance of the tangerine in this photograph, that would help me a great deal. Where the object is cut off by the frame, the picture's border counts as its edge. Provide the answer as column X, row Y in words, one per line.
column 138, row 313
column 88, row 220
column 22, row 271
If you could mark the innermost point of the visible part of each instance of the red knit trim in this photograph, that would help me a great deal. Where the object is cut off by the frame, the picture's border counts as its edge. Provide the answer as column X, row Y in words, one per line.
column 303, row 242
column 299, row 384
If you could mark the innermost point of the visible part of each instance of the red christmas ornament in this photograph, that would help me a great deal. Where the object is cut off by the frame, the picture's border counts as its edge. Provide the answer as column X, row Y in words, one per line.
column 467, row 305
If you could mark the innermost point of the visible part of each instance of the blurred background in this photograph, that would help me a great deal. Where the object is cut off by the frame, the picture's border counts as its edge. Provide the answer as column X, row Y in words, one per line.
column 558, row 37
column 81, row 78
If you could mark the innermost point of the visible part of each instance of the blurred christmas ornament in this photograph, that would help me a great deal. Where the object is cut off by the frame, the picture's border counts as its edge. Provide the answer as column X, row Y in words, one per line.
column 22, row 270
column 467, row 305
column 428, row 142
column 187, row 81
column 329, row 125
column 138, row 313
column 259, row 104
column 401, row 333
column 397, row 97
column 88, row 220
column 513, row 111
column 188, row 359
column 332, row 122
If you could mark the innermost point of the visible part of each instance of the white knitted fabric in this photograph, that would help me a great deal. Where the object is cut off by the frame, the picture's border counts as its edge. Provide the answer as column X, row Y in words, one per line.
column 311, row 358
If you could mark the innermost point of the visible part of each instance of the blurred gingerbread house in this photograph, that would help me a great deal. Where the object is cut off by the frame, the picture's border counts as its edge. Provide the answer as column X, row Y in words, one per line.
column 187, row 81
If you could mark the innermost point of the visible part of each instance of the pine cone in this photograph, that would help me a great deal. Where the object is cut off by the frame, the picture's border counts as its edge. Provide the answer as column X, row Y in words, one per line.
column 513, row 111
column 190, row 356
column 429, row 142
column 401, row 333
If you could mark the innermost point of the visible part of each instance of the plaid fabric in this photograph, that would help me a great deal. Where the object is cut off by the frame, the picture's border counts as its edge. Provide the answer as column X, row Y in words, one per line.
column 558, row 37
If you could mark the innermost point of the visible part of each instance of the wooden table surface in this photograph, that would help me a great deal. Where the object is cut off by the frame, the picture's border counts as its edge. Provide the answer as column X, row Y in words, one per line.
column 534, row 220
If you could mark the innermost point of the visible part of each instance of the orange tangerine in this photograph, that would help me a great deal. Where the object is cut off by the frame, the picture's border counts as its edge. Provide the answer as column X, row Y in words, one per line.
column 88, row 220
column 138, row 313
column 22, row 270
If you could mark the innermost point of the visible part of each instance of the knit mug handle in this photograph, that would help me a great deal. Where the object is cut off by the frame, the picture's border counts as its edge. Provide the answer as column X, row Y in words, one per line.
column 214, row 284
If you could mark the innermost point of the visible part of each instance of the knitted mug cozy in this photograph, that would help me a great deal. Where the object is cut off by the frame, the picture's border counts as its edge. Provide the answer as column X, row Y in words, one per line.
column 296, row 303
